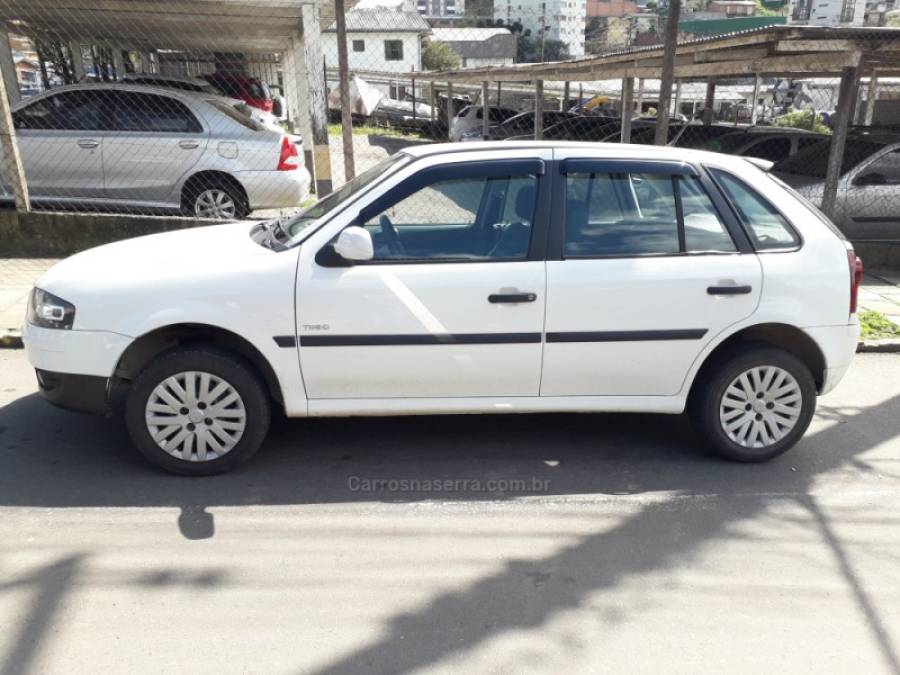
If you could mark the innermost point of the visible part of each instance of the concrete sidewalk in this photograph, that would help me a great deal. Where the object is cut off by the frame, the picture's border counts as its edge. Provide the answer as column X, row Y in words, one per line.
column 880, row 291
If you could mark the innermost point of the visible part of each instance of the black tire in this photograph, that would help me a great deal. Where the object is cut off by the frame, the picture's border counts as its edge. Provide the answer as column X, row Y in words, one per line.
column 199, row 185
column 704, row 408
column 229, row 368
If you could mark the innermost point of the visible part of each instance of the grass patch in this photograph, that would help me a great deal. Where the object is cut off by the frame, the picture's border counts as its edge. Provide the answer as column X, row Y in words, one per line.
column 874, row 325
column 334, row 130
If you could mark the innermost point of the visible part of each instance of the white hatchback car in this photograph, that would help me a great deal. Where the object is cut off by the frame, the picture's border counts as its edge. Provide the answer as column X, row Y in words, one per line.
column 496, row 277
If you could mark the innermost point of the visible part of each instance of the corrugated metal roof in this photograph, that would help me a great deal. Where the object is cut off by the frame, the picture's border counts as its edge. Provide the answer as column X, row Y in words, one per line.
column 387, row 20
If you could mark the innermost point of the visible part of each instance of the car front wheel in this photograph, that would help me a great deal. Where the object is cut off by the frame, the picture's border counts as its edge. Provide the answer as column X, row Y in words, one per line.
column 755, row 404
column 197, row 411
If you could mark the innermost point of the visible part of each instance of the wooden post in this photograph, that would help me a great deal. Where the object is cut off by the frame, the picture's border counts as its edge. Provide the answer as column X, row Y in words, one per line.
column 668, row 73
column 498, row 95
column 9, row 147
column 431, row 101
column 77, row 60
column 450, row 111
column 340, row 24
column 564, row 102
column 757, row 81
column 318, row 103
column 118, row 61
column 846, row 99
column 538, row 110
column 627, row 108
column 8, row 70
column 709, row 103
column 871, row 97
column 485, row 110
column 676, row 107
column 640, row 96
column 413, row 82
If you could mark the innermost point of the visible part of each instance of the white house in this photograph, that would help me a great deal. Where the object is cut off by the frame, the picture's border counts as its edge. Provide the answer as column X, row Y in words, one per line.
column 479, row 46
column 562, row 20
column 384, row 39
column 828, row 12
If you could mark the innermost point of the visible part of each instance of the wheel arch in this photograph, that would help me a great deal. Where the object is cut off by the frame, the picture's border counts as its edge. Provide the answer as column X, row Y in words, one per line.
column 210, row 177
column 777, row 335
column 149, row 345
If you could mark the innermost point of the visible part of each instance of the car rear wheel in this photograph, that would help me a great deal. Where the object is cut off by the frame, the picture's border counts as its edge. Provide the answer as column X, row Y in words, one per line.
column 755, row 404
column 197, row 412
column 218, row 201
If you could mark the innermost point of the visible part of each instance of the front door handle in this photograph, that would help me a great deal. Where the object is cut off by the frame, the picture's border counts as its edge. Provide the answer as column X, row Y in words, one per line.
column 88, row 143
column 189, row 145
column 497, row 298
column 729, row 290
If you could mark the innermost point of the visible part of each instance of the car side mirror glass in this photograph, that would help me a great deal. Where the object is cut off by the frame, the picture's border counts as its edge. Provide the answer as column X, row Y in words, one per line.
column 355, row 244
column 873, row 178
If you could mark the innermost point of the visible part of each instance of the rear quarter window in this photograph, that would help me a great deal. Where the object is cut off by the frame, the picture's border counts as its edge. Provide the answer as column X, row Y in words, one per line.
column 768, row 229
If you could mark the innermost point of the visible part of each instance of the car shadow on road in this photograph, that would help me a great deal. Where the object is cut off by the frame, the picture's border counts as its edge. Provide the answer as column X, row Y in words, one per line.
column 57, row 459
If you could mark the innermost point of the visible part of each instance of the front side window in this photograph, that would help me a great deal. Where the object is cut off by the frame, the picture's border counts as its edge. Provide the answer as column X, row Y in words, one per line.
column 632, row 214
column 393, row 50
column 67, row 111
column 883, row 171
column 478, row 218
column 768, row 229
column 148, row 112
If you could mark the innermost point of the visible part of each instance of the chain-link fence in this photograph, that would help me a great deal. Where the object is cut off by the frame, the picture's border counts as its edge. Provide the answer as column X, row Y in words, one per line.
column 227, row 113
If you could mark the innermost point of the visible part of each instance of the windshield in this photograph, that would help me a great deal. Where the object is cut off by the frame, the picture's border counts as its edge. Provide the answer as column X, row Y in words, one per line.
column 347, row 191
column 813, row 161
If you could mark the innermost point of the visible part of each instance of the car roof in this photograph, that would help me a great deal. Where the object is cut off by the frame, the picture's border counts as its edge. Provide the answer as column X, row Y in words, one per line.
column 164, row 78
column 603, row 150
column 116, row 86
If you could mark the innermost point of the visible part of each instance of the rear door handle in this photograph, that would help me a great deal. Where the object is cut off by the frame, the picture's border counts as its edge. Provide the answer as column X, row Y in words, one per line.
column 496, row 298
column 729, row 290
column 88, row 143
column 189, row 145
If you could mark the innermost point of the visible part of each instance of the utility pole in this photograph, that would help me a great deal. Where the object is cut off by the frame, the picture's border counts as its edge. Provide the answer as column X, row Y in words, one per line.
column 340, row 21
column 668, row 74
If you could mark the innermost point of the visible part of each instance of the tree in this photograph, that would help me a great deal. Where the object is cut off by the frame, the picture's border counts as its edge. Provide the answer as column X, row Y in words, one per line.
column 439, row 56
column 529, row 50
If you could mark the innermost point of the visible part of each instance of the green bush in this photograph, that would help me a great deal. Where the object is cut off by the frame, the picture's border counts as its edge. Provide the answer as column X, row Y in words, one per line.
column 875, row 325
column 803, row 119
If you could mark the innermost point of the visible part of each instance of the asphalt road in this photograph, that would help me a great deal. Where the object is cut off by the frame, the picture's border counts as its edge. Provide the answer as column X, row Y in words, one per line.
column 624, row 549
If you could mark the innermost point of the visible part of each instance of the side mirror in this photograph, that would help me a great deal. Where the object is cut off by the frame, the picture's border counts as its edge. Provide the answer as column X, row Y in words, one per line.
column 873, row 178
column 355, row 244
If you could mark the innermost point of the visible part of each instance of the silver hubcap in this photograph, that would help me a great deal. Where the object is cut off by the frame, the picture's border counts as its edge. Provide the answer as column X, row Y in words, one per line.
column 214, row 203
column 195, row 416
column 760, row 407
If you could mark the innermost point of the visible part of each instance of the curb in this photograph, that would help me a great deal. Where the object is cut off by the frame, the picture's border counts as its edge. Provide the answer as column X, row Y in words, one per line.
column 11, row 339
column 885, row 346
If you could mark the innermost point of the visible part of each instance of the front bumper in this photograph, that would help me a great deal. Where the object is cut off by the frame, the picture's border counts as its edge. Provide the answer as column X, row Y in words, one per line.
column 82, row 393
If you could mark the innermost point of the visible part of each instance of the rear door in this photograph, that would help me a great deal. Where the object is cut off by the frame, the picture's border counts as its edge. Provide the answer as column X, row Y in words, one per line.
column 153, row 141
column 646, row 267
column 61, row 143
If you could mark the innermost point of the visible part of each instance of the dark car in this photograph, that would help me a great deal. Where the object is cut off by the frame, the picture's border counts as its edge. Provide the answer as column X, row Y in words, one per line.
column 523, row 123
column 248, row 89
column 770, row 143
column 867, row 205
column 579, row 128
column 698, row 135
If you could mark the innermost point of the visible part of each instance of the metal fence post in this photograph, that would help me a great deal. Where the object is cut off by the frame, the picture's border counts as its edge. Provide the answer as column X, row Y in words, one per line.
column 845, row 103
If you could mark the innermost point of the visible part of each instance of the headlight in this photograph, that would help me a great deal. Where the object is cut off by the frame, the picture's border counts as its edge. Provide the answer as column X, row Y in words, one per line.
column 45, row 310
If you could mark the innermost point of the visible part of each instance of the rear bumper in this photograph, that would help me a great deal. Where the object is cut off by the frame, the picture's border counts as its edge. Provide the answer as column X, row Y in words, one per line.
column 275, row 189
column 838, row 345
column 81, row 393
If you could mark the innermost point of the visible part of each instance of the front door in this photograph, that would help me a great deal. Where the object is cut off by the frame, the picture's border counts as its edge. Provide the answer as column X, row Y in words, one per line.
column 647, row 273
column 452, row 305
column 869, row 199
column 61, row 144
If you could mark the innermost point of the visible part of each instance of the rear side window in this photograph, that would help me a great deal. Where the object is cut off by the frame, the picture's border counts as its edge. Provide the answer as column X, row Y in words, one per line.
column 768, row 229
column 237, row 114
column 155, row 114
column 633, row 214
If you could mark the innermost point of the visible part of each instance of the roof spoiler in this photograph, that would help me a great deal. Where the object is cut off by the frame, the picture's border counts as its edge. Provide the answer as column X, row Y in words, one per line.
column 763, row 164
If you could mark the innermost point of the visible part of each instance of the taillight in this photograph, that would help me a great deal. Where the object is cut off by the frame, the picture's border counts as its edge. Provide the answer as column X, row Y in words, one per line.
column 290, row 158
column 856, row 277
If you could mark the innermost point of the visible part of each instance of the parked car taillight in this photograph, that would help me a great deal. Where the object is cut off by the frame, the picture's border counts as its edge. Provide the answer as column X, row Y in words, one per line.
column 290, row 158
column 856, row 277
